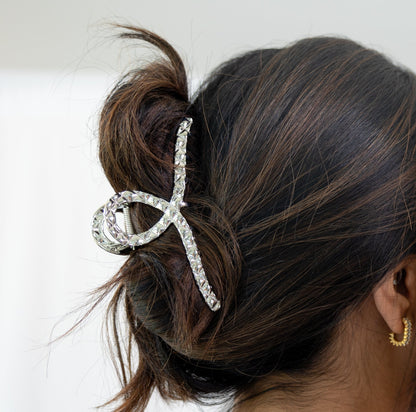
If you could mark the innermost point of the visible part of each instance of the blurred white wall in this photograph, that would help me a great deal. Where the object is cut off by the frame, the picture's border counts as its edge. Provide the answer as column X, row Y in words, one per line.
column 56, row 65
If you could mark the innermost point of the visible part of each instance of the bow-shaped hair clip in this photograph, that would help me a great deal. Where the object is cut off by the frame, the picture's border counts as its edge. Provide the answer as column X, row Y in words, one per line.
column 118, row 240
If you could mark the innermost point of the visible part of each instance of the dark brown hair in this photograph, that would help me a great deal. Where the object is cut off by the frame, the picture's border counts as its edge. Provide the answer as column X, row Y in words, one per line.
column 301, row 195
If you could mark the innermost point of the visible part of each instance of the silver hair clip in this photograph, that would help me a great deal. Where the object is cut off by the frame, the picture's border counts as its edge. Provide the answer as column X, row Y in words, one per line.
column 120, row 240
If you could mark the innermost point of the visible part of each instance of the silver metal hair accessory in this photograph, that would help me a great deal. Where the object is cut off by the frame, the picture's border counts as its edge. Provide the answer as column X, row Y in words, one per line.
column 117, row 240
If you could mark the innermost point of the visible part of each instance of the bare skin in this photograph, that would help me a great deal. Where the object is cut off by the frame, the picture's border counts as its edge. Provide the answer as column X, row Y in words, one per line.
column 363, row 371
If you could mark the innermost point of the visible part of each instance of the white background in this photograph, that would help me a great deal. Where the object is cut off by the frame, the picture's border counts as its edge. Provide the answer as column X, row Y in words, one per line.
column 57, row 61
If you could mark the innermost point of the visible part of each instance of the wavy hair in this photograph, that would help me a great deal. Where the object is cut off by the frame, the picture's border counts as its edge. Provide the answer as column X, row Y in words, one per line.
column 301, row 195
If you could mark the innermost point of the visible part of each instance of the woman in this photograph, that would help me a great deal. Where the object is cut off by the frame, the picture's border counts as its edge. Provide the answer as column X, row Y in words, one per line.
column 270, row 229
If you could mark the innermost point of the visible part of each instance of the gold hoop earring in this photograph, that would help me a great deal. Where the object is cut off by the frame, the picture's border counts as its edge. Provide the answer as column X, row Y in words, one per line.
column 406, row 334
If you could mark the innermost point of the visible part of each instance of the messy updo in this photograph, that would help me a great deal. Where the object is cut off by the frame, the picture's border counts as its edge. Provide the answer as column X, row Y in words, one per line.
column 300, row 193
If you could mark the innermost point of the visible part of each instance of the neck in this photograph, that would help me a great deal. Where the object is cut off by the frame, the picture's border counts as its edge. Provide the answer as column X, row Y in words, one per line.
column 322, row 396
column 366, row 375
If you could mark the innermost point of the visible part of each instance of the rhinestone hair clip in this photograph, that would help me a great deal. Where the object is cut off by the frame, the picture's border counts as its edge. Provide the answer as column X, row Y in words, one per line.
column 117, row 240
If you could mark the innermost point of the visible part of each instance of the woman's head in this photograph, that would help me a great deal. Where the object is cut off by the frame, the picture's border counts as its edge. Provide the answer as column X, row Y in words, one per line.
column 301, row 196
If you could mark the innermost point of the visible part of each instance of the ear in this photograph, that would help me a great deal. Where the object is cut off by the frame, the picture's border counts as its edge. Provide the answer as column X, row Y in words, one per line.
column 394, row 301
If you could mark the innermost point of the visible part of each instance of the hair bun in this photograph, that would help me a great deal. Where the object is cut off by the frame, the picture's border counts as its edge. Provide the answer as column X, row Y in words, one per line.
column 138, row 130
column 139, row 119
